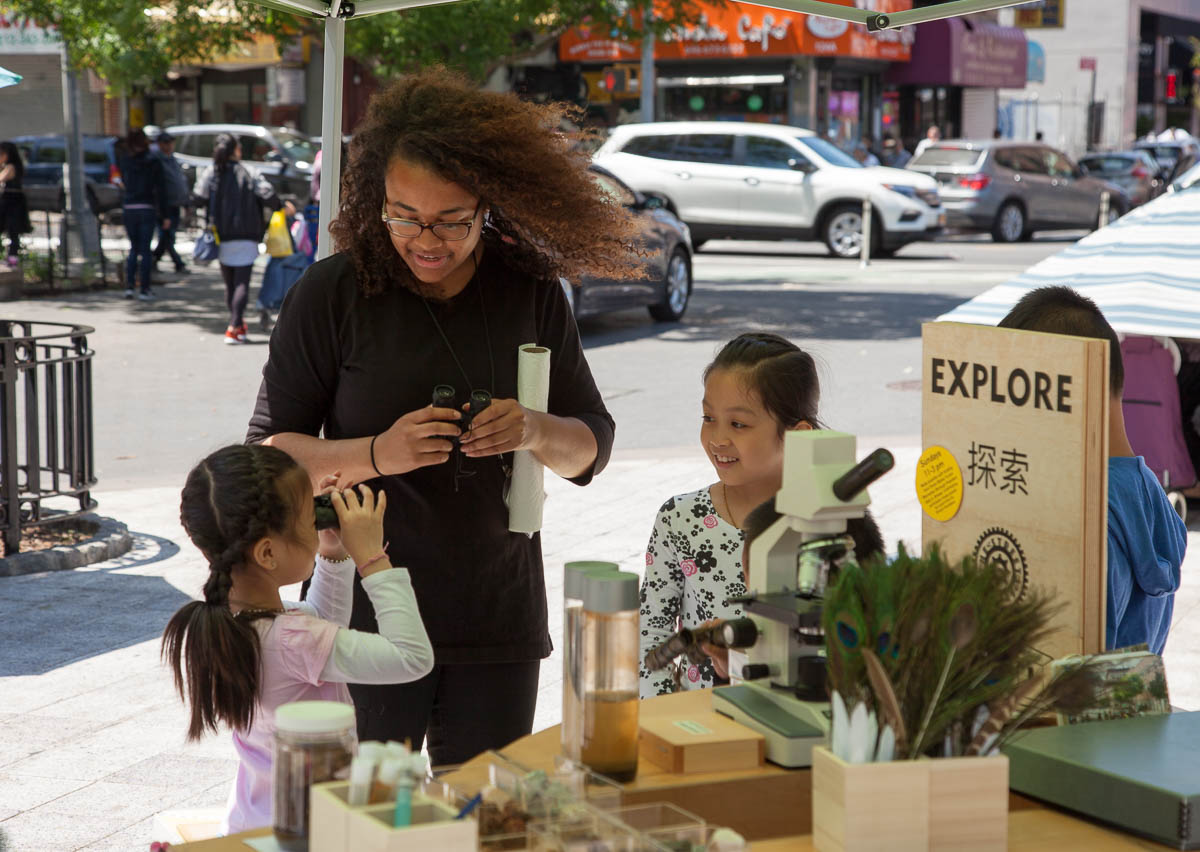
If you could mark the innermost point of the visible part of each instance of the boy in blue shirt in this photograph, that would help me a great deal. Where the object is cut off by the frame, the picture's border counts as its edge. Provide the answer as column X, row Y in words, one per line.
column 1146, row 538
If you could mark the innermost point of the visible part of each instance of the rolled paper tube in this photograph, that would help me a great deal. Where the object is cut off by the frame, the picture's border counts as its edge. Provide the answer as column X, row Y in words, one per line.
column 526, row 493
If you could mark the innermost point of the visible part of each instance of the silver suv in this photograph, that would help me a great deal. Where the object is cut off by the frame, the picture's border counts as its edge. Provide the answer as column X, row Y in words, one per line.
column 283, row 156
column 1015, row 188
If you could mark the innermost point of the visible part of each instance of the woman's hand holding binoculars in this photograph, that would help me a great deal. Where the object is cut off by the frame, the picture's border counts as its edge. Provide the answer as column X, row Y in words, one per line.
column 418, row 439
column 503, row 427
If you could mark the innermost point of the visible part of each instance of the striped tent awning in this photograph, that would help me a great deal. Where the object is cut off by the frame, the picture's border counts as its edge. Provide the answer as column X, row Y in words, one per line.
column 1143, row 271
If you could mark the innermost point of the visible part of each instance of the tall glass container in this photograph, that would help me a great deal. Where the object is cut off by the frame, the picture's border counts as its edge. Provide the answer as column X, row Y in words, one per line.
column 314, row 742
column 572, row 701
column 609, row 742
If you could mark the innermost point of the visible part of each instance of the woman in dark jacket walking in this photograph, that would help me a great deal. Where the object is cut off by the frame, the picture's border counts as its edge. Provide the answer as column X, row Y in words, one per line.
column 145, row 208
column 236, row 199
column 14, row 211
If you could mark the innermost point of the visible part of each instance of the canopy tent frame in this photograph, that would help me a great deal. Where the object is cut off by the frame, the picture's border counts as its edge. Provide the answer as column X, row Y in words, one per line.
column 336, row 12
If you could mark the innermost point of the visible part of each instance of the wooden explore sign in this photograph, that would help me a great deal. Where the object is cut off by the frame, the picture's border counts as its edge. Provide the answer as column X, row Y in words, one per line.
column 1014, row 467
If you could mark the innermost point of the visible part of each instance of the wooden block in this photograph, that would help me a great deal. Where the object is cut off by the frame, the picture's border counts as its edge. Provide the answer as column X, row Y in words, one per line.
column 910, row 805
column 699, row 742
column 968, row 799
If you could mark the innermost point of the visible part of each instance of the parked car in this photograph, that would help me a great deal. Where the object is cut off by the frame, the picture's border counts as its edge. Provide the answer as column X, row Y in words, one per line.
column 665, row 285
column 1135, row 172
column 1013, row 189
column 1173, row 157
column 740, row 180
column 44, row 157
column 283, row 156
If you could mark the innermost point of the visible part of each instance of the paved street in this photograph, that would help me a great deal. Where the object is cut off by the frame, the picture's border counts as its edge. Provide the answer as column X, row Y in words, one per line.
column 91, row 735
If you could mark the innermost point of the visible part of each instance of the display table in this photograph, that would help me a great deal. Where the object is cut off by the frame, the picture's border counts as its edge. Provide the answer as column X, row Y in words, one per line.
column 770, row 806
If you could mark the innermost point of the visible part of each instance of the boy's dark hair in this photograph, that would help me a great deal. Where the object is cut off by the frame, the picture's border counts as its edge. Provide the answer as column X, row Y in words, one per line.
column 1061, row 310
column 232, row 499
column 868, row 540
column 782, row 374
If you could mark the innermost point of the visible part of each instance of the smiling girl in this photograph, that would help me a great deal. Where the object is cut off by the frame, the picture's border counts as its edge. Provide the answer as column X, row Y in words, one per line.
column 758, row 387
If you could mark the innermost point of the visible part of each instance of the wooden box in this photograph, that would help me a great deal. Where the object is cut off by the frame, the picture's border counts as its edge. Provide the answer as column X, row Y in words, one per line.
column 335, row 826
column 910, row 805
column 700, row 742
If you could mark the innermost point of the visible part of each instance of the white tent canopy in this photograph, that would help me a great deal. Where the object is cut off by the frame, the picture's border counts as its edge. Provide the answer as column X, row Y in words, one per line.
column 335, row 13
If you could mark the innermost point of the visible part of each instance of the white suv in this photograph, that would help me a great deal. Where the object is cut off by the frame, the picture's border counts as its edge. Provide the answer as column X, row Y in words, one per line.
column 740, row 180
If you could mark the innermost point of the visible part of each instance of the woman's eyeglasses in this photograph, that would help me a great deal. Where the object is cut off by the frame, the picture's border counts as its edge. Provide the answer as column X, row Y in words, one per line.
column 448, row 231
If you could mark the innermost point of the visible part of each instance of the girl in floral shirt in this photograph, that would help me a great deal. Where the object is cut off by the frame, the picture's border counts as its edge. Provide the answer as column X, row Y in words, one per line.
column 758, row 387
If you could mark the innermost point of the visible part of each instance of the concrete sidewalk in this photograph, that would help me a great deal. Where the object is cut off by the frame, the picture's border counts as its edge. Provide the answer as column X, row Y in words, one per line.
column 91, row 732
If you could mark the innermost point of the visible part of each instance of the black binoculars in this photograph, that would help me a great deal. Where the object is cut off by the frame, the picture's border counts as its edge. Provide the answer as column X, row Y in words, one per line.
column 326, row 515
column 444, row 396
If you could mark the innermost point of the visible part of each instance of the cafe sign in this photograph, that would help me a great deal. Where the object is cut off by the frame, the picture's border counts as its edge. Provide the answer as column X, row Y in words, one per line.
column 1014, row 465
column 745, row 30
column 19, row 35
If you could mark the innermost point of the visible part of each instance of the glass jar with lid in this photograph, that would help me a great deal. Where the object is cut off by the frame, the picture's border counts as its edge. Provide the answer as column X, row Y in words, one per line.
column 609, row 682
column 574, row 574
column 314, row 742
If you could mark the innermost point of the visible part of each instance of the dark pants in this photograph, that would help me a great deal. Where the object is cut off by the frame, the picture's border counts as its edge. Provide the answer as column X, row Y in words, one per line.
column 237, row 292
column 14, row 240
column 166, row 239
column 463, row 709
column 139, row 225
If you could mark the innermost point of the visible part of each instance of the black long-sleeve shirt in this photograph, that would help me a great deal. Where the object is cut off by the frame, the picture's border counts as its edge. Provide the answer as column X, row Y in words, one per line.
column 351, row 365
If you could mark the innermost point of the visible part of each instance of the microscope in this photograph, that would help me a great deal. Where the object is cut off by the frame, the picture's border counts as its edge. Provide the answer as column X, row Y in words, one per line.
column 778, row 681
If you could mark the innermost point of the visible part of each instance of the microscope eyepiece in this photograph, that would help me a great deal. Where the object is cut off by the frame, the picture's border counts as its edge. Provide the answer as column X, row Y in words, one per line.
column 850, row 484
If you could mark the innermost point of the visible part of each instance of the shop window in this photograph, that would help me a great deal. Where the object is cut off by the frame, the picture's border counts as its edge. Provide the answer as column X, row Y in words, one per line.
column 705, row 148
column 659, row 147
column 765, row 153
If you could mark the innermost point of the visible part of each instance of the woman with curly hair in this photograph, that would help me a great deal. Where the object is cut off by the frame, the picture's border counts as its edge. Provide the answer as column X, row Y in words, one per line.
column 460, row 210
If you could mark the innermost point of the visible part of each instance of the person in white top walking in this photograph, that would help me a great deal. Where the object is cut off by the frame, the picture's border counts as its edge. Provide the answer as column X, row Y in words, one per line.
column 236, row 199
column 932, row 136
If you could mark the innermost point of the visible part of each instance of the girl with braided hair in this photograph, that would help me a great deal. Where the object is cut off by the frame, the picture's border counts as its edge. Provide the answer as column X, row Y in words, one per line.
column 241, row 652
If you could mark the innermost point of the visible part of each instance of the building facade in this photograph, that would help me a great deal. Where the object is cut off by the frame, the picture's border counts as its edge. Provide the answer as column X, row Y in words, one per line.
column 1114, row 71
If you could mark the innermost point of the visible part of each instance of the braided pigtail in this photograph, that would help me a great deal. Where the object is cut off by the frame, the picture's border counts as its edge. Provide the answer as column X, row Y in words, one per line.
column 231, row 500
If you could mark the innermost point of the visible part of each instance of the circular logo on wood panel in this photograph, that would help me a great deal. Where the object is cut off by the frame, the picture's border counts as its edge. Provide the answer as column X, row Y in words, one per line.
column 1000, row 547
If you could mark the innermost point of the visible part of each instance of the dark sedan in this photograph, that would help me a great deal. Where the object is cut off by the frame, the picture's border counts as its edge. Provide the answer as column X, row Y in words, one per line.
column 665, row 283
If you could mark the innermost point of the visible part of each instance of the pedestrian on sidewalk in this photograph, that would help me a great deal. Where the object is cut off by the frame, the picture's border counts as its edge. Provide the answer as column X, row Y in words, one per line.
column 242, row 652
column 177, row 199
column 145, row 208
column 236, row 199
column 462, row 209
column 14, row 210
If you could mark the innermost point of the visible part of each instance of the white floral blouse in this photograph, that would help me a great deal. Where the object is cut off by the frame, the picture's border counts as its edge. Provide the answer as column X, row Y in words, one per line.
column 693, row 566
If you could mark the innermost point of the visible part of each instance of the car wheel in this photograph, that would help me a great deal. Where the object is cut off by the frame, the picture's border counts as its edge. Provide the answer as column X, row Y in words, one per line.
column 1009, row 226
column 677, row 288
column 570, row 295
column 844, row 232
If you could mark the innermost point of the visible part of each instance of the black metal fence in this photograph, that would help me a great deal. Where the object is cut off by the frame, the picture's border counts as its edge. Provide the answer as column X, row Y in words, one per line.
column 46, row 459
column 45, row 268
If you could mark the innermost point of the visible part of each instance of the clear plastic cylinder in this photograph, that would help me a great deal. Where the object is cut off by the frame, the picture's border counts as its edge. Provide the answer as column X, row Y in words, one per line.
column 609, row 739
column 572, row 700
column 314, row 742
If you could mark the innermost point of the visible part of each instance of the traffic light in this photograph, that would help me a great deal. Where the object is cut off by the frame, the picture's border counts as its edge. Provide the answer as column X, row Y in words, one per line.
column 1171, row 91
column 614, row 79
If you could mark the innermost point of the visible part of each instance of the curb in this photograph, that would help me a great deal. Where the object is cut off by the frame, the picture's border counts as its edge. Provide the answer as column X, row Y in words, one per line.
column 111, row 540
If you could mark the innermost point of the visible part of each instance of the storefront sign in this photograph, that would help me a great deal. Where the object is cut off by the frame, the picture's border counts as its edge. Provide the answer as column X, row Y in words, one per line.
column 952, row 52
column 19, row 35
column 1044, row 13
column 1035, row 66
column 1015, row 470
column 744, row 30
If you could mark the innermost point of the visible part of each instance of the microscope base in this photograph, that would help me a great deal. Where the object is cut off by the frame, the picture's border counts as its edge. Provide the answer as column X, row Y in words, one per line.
column 792, row 728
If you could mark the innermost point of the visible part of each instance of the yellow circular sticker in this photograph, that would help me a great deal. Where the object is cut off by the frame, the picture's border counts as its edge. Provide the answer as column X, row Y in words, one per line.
column 939, row 484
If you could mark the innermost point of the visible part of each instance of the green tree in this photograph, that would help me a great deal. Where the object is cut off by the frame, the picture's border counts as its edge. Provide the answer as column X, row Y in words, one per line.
column 480, row 35
column 135, row 43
